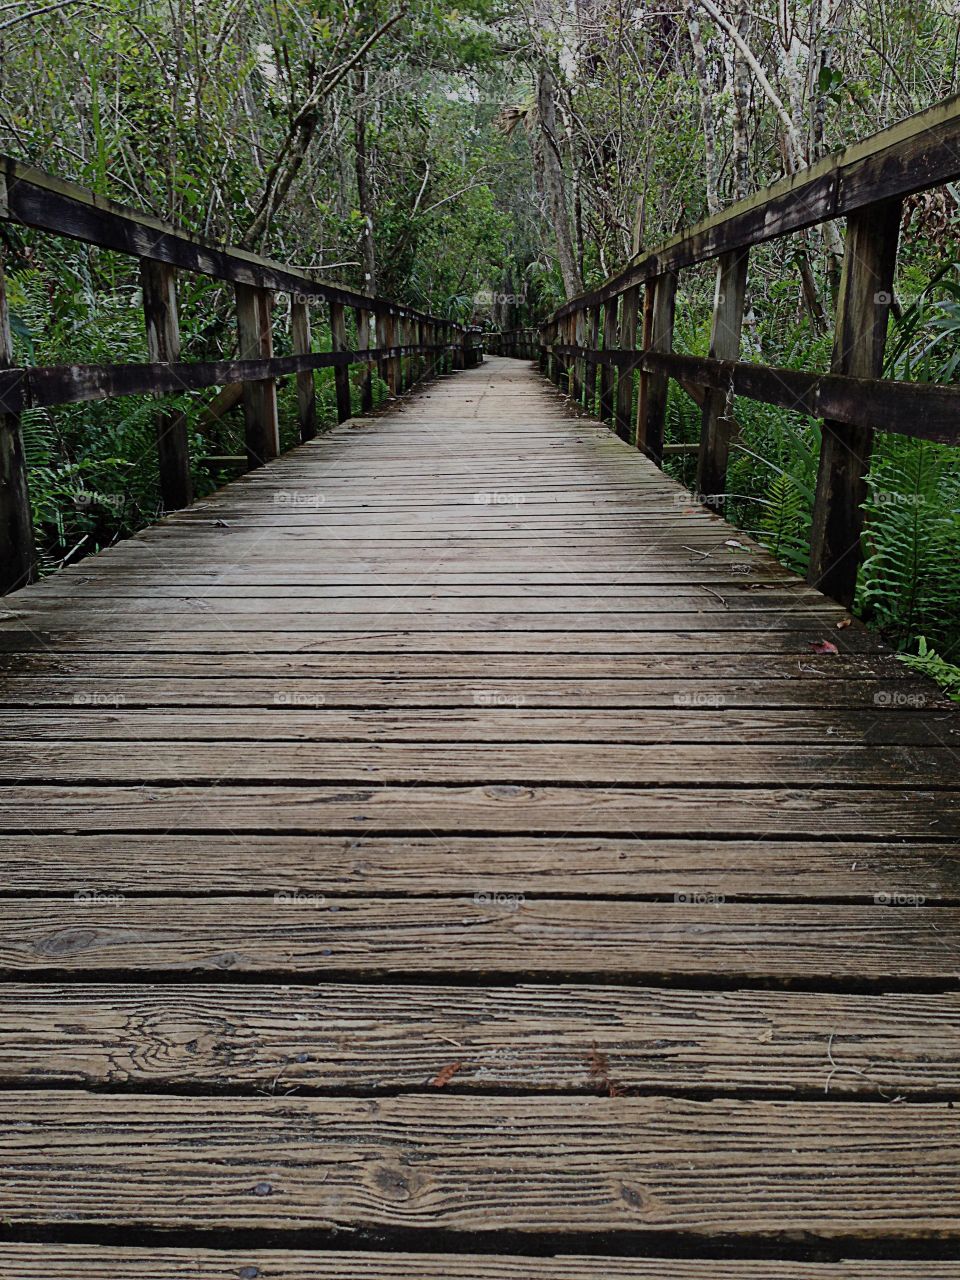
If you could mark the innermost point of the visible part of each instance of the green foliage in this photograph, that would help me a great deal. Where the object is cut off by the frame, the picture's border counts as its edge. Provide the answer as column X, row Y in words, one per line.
column 909, row 583
column 927, row 662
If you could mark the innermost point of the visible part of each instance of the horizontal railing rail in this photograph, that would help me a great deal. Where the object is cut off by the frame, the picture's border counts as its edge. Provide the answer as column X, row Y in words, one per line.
column 594, row 337
column 405, row 345
column 522, row 344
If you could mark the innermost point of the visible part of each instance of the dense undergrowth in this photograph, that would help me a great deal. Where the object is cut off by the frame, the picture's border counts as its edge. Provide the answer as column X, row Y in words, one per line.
column 909, row 583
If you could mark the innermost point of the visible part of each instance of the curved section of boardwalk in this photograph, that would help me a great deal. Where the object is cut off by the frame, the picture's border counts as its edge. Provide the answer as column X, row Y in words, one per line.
column 451, row 854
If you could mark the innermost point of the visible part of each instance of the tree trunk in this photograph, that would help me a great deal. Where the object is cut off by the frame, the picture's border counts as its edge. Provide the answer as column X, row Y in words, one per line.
column 368, row 248
column 554, row 184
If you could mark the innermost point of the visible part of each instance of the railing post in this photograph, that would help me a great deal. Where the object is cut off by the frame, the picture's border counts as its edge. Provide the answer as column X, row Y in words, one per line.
column 385, row 364
column 18, row 562
column 863, row 308
column 306, row 389
column 366, row 373
column 578, row 363
column 717, row 425
column 255, row 334
column 341, row 372
column 628, row 341
column 659, row 303
column 607, row 371
column 158, row 283
column 592, row 343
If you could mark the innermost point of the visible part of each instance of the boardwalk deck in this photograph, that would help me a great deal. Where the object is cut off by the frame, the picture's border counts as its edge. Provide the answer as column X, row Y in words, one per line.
column 449, row 852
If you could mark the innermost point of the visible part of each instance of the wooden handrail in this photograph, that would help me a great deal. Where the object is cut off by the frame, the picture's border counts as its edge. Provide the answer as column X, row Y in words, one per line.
column 404, row 337
column 867, row 183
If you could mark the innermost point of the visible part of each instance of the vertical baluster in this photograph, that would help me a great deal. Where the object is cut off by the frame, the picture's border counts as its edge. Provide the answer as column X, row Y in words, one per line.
column 364, row 343
column 306, row 388
column 608, row 373
column 863, row 307
column 17, row 552
column 341, row 372
column 717, row 426
column 628, row 342
column 658, row 336
column 158, row 283
column 592, row 343
column 255, row 333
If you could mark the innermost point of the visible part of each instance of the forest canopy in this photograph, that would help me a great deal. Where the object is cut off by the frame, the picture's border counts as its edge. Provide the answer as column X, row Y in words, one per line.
column 483, row 161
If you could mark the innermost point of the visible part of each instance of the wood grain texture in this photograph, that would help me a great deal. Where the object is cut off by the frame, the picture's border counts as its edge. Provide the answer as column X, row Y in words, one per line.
column 540, row 866
column 555, row 1039
column 498, row 808
column 459, row 772
column 90, row 1262
column 488, row 932
column 524, row 1164
column 86, row 1262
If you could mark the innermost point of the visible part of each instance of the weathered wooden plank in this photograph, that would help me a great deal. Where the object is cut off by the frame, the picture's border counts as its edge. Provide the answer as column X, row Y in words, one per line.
column 866, row 696
column 487, row 723
column 654, row 1165
column 579, row 764
column 775, row 812
column 15, row 638
column 94, row 1262
column 539, row 866
column 493, row 933
column 480, row 667
column 558, row 1039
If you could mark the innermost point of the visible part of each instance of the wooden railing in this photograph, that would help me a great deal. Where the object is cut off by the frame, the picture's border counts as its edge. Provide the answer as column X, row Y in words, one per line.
column 405, row 344
column 522, row 344
column 866, row 183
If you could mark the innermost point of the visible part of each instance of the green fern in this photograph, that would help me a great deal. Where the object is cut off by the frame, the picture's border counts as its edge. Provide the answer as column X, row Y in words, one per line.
column 927, row 662
column 785, row 522
column 908, row 584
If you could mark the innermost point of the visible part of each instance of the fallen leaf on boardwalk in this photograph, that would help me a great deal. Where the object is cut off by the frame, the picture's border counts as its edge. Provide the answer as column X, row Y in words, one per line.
column 844, row 622
column 823, row 646
column 446, row 1075
column 599, row 1064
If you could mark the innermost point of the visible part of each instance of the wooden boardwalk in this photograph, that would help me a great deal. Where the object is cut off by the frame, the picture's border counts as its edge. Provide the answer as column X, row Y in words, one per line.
column 448, row 854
